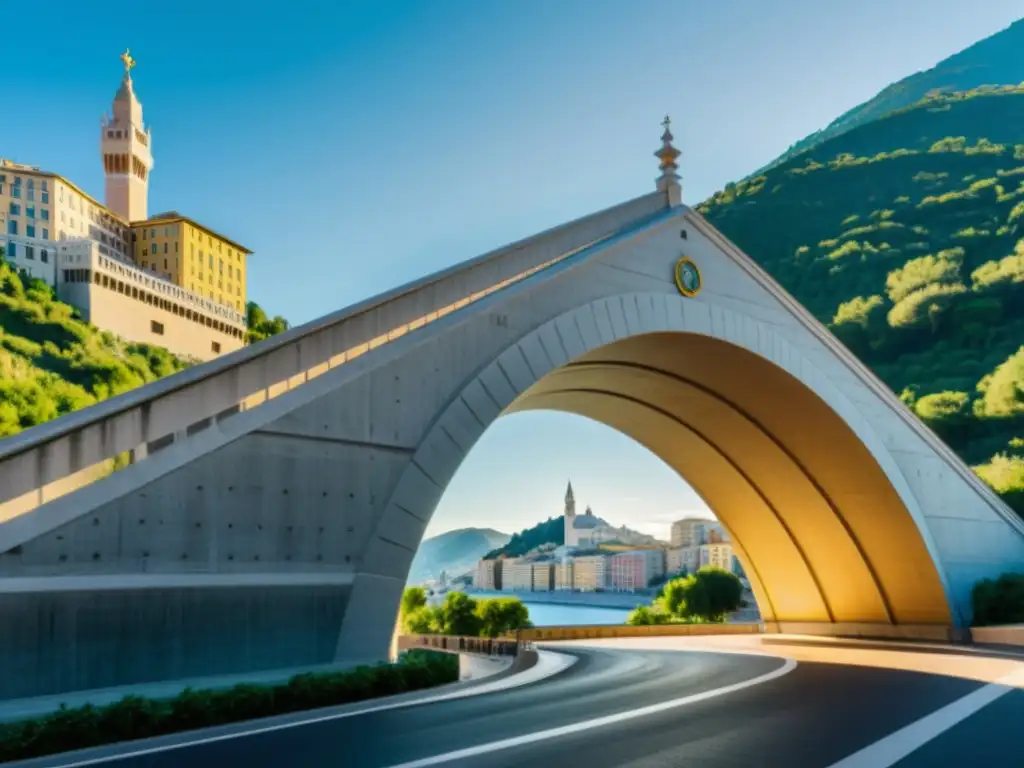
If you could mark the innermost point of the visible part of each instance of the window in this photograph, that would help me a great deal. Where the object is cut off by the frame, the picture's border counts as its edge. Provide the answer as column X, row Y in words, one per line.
column 152, row 233
column 12, row 250
column 12, row 227
column 44, row 256
column 30, row 253
column 165, row 263
column 153, row 248
column 46, row 197
column 15, row 209
column 157, row 328
column 16, row 191
column 215, row 346
column 44, row 214
column 30, row 230
column 31, row 192
column 30, row 211
column 143, row 234
column 46, row 234
column 165, row 247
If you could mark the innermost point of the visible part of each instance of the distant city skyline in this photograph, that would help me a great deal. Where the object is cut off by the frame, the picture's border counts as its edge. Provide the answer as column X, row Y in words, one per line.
column 398, row 138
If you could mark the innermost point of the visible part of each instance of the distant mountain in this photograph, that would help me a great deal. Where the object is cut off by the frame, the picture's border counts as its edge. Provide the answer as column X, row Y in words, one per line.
column 996, row 60
column 552, row 531
column 454, row 552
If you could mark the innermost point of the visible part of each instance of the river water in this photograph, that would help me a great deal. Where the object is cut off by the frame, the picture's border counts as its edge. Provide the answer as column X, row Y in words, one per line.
column 547, row 615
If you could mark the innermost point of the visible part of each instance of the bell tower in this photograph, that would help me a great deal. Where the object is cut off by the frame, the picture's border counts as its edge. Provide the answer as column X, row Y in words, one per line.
column 125, row 144
column 570, row 517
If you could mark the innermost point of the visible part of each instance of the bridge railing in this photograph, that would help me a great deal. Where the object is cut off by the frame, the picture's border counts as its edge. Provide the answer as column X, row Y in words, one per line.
column 482, row 646
column 56, row 458
column 599, row 631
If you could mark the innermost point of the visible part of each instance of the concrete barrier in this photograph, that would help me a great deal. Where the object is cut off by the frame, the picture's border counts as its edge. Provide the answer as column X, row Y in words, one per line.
column 1003, row 634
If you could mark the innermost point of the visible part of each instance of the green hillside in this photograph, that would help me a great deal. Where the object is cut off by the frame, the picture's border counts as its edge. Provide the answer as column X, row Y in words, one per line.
column 996, row 60
column 906, row 235
column 52, row 363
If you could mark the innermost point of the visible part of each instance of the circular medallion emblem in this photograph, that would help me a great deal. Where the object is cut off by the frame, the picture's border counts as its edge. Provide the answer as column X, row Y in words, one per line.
column 688, row 279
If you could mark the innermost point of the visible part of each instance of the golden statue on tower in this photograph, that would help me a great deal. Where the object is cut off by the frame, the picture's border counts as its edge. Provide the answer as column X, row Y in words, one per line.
column 128, row 61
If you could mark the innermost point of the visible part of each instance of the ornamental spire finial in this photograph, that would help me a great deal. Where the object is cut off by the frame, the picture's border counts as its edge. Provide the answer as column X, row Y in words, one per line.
column 668, row 182
column 128, row 61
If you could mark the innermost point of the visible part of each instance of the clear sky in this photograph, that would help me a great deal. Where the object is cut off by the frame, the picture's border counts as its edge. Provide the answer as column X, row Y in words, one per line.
column 357, row 144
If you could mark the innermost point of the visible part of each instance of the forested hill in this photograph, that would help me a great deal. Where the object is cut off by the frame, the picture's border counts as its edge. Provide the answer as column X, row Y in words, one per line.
column 906, row 235
column 996, row 60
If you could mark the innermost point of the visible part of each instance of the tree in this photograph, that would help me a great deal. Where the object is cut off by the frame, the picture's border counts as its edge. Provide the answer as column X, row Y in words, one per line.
column 260, row 326
column 457, row 616
column 500, row 615
column 711, row 593
column 413, row 598
column 707, row 595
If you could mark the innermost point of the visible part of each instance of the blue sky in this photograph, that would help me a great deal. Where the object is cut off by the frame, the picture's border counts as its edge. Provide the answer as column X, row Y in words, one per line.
column 357, row 144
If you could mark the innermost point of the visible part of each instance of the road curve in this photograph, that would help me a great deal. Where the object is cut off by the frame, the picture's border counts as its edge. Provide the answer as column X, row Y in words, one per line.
column 650, row 708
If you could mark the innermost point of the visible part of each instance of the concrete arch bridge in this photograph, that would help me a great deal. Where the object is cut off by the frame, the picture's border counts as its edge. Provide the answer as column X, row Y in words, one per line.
column 278, row 494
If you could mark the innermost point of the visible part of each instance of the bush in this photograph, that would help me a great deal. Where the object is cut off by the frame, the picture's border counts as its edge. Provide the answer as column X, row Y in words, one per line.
column 705, row 597
column 461, row 614
column 1000, row 601
column 135, row 717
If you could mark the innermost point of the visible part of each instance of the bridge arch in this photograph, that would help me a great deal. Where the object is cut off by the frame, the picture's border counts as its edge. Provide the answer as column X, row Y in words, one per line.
column 825, row 523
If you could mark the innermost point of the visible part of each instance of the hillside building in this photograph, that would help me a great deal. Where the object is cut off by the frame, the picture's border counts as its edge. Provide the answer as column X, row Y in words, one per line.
column 166, row 279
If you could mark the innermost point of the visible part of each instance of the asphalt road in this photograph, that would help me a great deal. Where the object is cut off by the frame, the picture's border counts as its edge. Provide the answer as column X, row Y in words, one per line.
column 808, row 714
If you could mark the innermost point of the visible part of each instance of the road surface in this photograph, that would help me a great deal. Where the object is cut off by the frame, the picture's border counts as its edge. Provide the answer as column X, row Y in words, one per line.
column 660, row 703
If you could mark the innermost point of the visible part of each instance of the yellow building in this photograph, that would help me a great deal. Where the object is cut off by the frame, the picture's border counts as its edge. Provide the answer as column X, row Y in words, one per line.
column 193, row 256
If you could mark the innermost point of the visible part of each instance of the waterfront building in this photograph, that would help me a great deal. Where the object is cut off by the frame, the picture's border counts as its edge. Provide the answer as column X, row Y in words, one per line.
column 590, row 573
column 488, row 575
column 517, row 576
column 41, row 211
column 543, row 576
column 563, row 569
column 635, row 569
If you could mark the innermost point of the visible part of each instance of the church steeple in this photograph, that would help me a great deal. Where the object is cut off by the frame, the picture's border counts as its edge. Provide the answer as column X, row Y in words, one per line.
column 125, row 147
column 571, row 538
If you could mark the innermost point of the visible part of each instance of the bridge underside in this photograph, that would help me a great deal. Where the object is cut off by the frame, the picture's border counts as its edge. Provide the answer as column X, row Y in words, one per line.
column 821, row 532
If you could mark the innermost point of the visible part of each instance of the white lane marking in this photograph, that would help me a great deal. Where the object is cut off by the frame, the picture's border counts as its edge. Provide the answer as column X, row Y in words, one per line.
column 597, row 722
column 549, row 663
column 898, row 745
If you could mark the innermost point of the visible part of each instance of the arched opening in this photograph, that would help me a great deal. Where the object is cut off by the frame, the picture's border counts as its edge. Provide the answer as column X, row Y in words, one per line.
column 822, row 534
column 822, row 518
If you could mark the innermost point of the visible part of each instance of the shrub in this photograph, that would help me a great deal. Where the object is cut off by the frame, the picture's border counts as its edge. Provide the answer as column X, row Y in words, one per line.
column 1000, row 601
column 134, row 717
